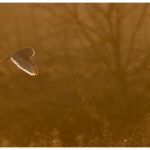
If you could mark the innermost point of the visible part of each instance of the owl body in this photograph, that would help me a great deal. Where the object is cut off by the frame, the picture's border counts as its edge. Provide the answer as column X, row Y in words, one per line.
column 25, row 52
column 21, row 58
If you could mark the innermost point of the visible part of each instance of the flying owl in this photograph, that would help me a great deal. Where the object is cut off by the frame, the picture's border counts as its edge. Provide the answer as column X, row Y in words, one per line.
column 21, row 58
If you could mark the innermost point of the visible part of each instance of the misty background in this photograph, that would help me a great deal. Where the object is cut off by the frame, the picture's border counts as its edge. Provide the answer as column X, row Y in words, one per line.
column 93, row 87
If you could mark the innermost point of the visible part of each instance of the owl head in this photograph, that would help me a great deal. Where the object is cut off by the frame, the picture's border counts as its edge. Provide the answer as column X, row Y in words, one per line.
column 29, row 52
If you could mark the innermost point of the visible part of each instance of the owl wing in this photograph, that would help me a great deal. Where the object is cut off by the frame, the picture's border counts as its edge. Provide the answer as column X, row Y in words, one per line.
column 22, row 52
column 24, row 63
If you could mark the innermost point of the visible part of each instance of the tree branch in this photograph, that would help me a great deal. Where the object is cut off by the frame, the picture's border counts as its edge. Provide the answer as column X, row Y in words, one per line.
column 135, row 33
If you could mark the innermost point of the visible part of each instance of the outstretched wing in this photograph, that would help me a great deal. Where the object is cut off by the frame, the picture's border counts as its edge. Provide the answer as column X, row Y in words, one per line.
column 24, row 63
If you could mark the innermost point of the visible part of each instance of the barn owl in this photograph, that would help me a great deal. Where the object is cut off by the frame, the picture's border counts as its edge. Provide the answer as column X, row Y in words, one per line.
column 21, row 58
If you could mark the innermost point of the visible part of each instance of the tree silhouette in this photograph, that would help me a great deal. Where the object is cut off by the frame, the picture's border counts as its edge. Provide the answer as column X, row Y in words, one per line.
column 93, row 85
